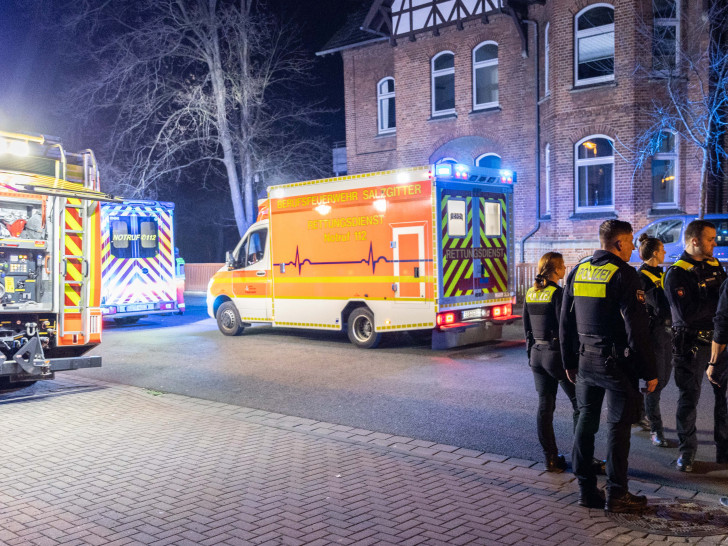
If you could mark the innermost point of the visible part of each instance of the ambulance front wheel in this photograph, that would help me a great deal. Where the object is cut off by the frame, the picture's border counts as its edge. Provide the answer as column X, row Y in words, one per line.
column 361, row 329
column 228, row 319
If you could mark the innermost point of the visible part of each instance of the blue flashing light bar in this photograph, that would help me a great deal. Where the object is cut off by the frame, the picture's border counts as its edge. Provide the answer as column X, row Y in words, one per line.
column 466, row 172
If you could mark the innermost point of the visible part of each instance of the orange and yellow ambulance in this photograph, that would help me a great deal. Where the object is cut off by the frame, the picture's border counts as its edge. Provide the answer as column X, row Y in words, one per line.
column 50, row 259
column 425, row 248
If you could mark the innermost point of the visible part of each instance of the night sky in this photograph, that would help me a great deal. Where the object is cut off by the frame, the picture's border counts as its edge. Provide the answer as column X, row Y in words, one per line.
column 30, row 68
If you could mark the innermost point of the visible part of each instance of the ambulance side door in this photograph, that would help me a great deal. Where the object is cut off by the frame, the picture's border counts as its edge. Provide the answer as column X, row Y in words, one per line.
column 252, row 276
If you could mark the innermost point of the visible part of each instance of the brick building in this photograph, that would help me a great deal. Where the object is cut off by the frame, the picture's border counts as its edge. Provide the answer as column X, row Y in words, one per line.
column 551, row 89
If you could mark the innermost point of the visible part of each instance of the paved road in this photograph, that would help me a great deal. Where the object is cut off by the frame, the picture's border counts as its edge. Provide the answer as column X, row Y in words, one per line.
column 478, row 397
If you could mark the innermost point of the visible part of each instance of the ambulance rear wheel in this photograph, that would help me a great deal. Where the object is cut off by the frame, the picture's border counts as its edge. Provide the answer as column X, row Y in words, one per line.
column 360, row 329
column 228, row 319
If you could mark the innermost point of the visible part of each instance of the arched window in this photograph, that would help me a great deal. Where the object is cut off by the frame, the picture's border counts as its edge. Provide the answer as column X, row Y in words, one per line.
column 594, row 45
column 546, row 52
column 665, row 171
column 443, row 83
column 387, row 122
column 485, row 75
column 449, row 160
column 491, row 161
column 594, row 174
column 666, row 35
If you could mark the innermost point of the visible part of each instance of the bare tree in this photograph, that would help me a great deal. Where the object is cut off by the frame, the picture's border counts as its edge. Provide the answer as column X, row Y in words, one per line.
column 180, row 83
column 687, row 68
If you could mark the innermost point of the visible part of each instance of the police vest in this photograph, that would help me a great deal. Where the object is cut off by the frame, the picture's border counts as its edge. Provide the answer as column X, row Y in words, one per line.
column 542, row 313
column 658, row 281
column 598, row 318
column 708, row 276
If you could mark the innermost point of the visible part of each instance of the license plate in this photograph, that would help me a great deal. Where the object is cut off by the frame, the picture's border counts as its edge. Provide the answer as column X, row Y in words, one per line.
column 139, row 307
column 471, row 313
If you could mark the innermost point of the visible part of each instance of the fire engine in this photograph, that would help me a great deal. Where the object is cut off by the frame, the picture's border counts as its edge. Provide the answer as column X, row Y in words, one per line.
column 50, row 274
column 425, row 248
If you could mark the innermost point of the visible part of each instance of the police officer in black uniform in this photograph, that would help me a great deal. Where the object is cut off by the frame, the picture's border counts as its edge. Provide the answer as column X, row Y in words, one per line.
column 605, row 347
column 692, row 286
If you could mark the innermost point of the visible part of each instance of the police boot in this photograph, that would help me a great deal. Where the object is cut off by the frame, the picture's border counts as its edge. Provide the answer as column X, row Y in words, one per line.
column 625, row 503
column 555, row 463
column 591, row 498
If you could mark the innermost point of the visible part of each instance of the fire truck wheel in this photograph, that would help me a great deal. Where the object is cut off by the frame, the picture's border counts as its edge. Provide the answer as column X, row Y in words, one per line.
column 360, row 328
column 228, row 319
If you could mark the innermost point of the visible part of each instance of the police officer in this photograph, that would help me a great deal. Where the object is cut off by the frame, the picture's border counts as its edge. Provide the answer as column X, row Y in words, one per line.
column 717, row 372
column 692, row 286
column 541, row 312
column 605, row 347
column 652, row 252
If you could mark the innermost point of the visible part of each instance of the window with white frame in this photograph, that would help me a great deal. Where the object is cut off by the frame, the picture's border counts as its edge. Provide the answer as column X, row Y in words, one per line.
column 443, row 83
column 594, row 174
column 665, row 35
column 594, row 45
column 385, row 99
column 490, row 161
column 485, row 75
column 546, row 89
column 665, row 171
column 547, row 179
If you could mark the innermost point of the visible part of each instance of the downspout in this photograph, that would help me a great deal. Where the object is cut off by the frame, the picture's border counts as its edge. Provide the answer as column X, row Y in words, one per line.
column 538, row 142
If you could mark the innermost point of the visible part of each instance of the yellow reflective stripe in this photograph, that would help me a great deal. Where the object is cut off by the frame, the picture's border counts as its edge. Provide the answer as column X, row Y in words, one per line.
column 682, row 264
column 654, row 278
column 590, row 289
column 540, row 296
column 712, row 261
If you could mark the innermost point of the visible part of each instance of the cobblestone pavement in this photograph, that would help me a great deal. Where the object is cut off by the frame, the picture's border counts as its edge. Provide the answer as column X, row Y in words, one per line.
column 85, row 462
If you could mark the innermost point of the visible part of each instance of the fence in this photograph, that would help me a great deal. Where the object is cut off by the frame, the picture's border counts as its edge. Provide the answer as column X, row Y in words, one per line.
column 198, row 275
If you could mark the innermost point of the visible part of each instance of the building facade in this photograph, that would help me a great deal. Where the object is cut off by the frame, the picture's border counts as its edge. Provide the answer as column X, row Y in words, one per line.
column 556, row 90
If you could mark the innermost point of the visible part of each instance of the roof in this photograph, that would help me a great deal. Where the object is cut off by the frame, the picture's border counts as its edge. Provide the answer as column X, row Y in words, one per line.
column 351, row 34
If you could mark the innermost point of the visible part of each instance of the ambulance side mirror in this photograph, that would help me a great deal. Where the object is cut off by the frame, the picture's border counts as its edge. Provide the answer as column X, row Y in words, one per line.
column 229, row 262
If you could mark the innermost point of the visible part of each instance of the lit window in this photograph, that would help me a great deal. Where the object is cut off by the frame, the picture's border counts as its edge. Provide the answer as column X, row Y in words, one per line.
column 490, row 161
column 387, row 122
column 665, row 35
column 485, row 75
column 547, row 179
column 546, row 89
column 665, row 171
column 594, row 51
column 443, row 83
column 595, row 174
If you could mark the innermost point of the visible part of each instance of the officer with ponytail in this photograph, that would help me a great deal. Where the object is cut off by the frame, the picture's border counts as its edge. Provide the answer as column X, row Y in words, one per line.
column 541, row 322
column 652, row 252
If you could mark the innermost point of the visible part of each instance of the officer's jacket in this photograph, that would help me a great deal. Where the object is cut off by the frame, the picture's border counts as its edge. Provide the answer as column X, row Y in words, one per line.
column 692, row 288
column 541, row 313
column 720, row 321
column 657, row 305
column 603, row 308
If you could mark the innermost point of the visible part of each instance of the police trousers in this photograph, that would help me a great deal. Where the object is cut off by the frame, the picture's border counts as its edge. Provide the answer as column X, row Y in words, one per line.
column 548, row 374
column 596, row 380
column 689, row 360
column 662, row 343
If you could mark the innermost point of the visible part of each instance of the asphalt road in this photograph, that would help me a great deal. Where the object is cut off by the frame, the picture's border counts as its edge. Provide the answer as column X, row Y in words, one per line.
column 480, row 397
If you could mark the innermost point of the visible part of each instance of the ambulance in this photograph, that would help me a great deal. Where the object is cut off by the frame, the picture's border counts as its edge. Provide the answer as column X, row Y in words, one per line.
column 50, row 259
column 417, row 249
column 138, row 262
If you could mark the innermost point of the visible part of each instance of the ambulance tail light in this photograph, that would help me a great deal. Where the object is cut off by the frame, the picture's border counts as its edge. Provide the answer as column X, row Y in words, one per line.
column 445, row 319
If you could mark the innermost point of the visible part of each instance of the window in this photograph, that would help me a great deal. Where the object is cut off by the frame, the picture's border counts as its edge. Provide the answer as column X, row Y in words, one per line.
column 594, row 50
column 546, row 89
column 485, row 75
column 492, row 219
column 667, row 231
column 665, row 35
column 721, row 229
column 121, row 237
column 547, row 179
column 387, row 122
column 148, row 240
column 450, row 160
column 443, row 83
column 456, row 218
column 490, row 161
column 251, row 249
column 594, row 174
column 664, row 171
